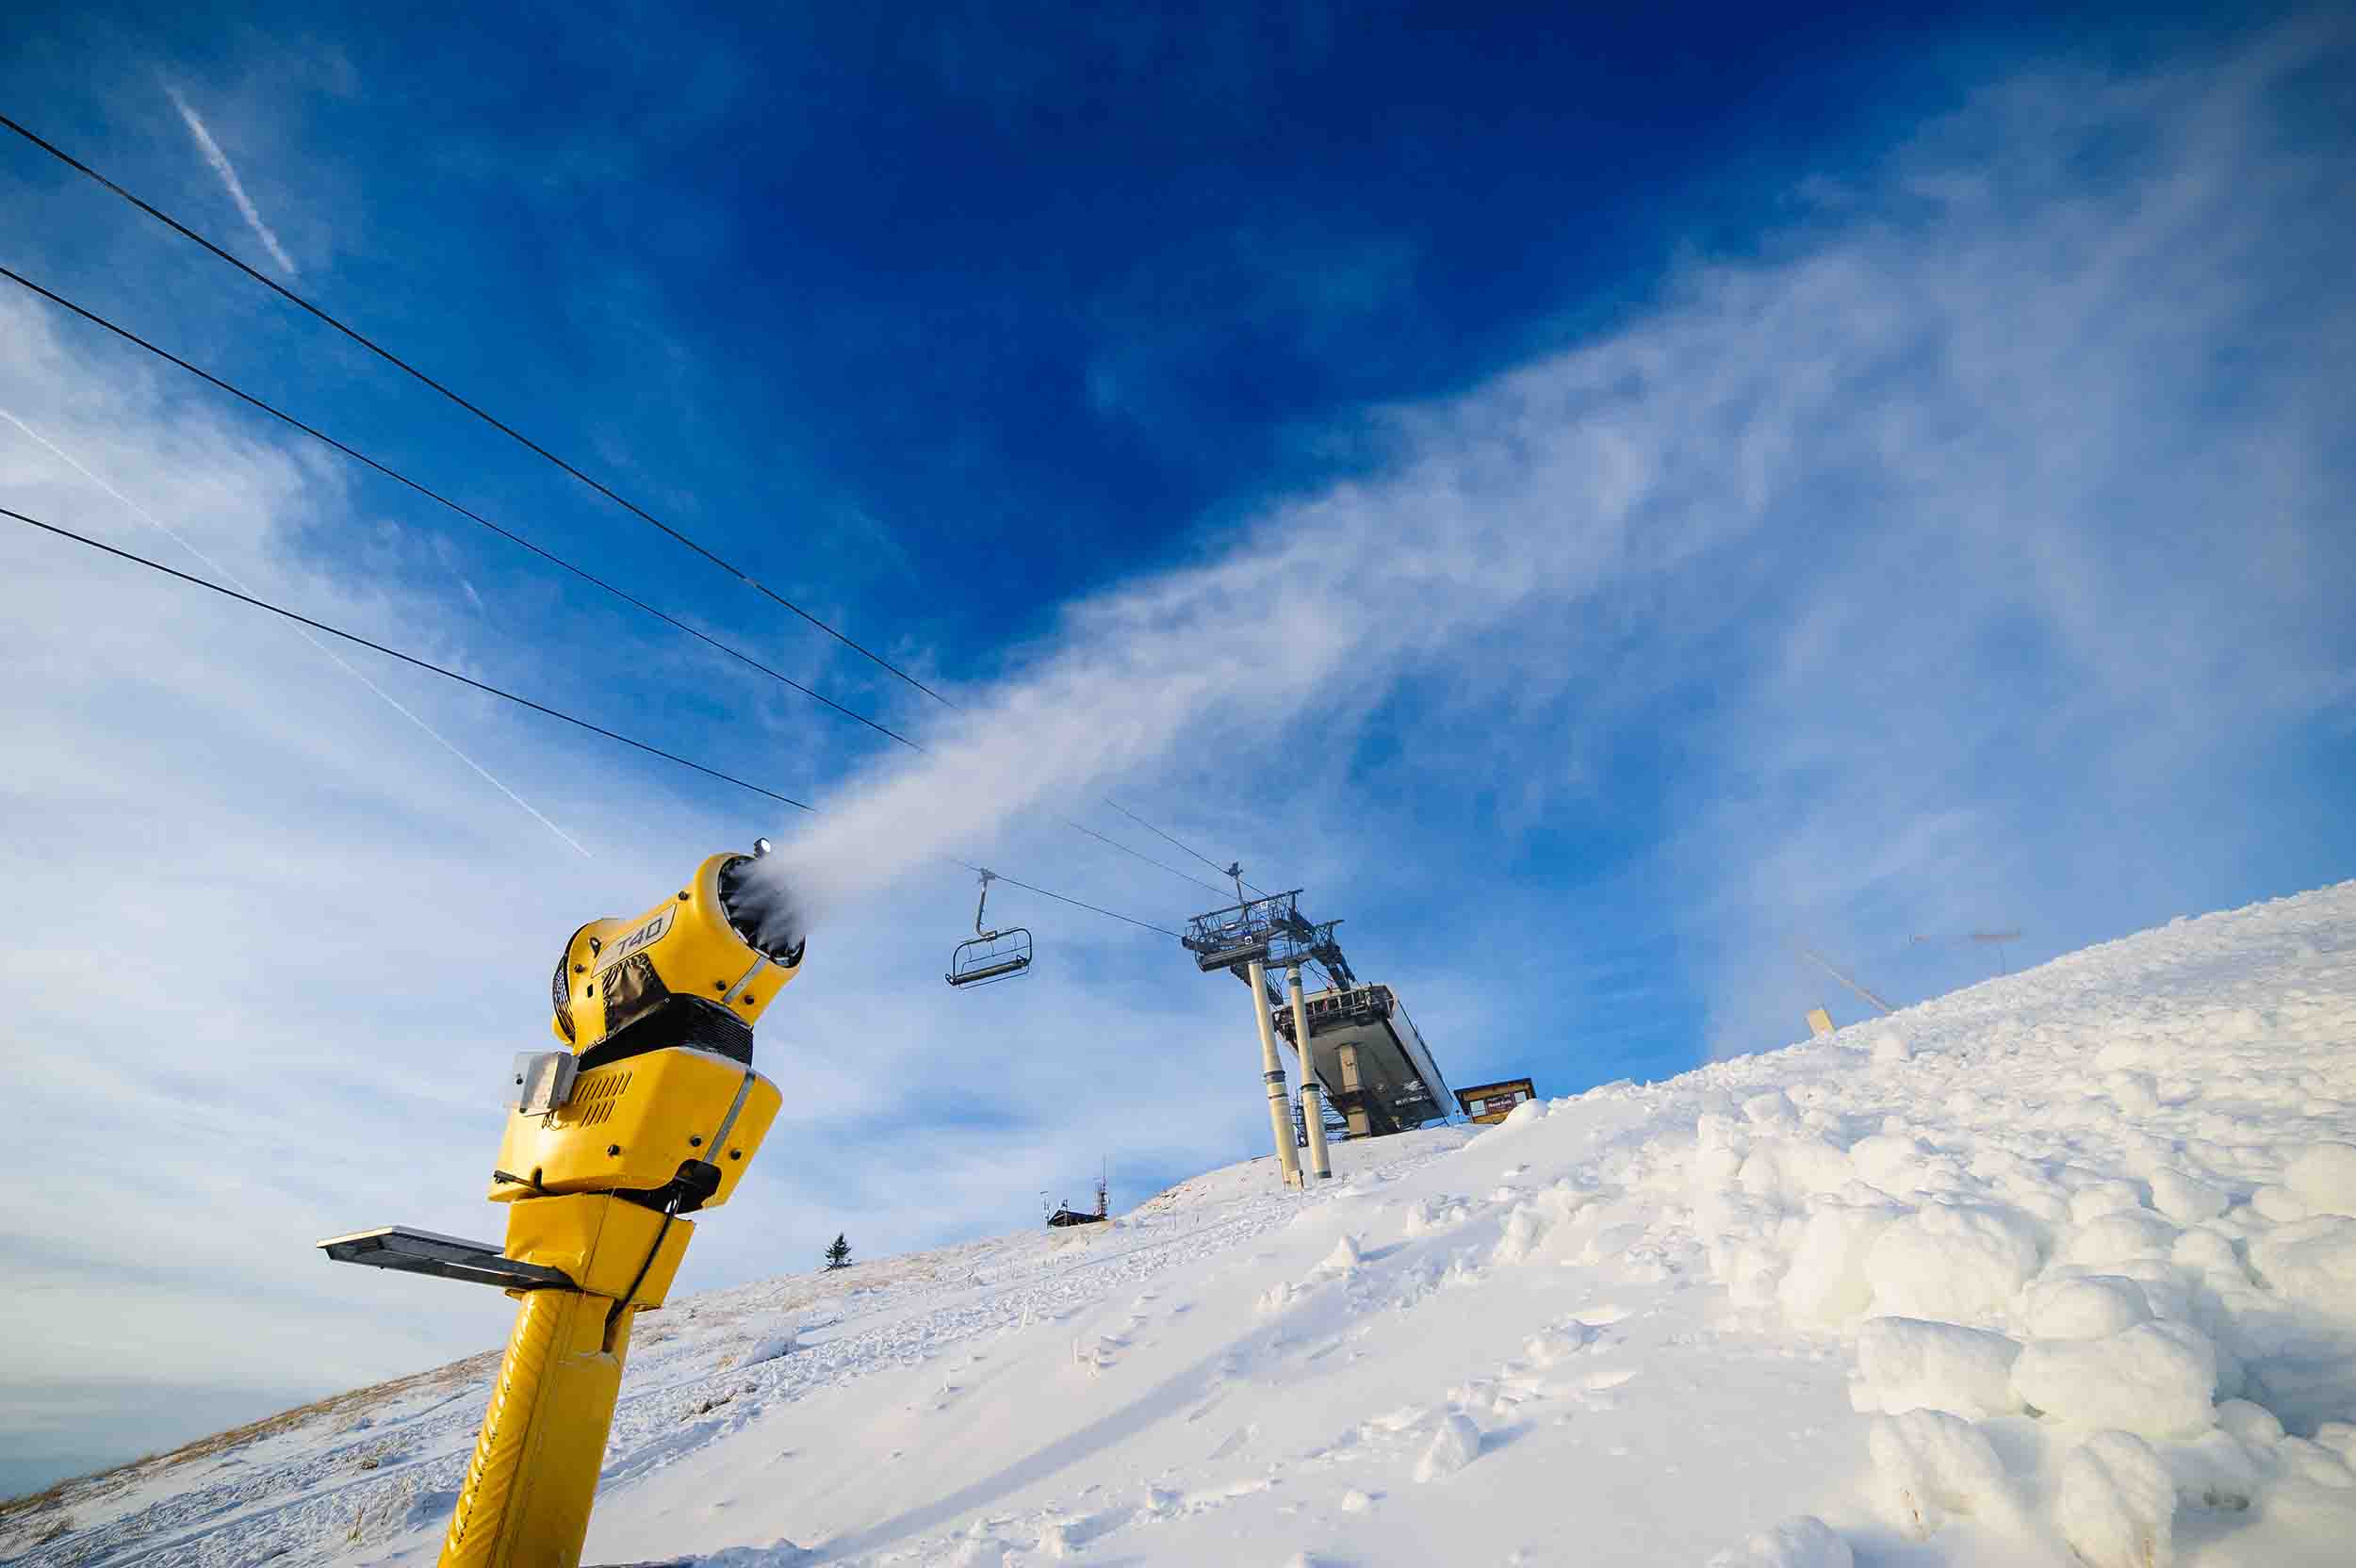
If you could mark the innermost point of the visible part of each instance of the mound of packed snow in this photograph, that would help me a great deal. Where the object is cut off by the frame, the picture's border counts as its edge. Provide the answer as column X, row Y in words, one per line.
column 2060, row 1270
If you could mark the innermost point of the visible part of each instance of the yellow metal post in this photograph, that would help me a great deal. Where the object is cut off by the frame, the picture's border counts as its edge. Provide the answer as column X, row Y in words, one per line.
column 651, row 1113
column 525, row 1497
column 659, row 1116
column 1273, row 1070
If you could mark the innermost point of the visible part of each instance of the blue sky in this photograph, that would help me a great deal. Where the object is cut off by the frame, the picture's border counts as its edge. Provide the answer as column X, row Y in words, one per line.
column 1595, row 501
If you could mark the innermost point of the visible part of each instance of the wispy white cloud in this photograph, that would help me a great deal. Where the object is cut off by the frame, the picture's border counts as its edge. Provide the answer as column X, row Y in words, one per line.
column 1936, row 564
column 225, row 574
column 228, row 173
column 2015, row 484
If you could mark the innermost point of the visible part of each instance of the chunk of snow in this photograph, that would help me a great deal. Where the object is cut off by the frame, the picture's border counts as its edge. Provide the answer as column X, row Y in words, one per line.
column 2116, row 1237
column 1826, row 1282
column 2311, row 1462
column 2340, row 1437
column 2136, row 1093
column 1958, row 1261
column 1792, row 1170
column 2183, row 1199
column 2217, row 1471
column 2095, row 1200
column 2089, row 1306
column 2312, row 1262
column 1356, row 1501
column 1911, row 1364
column 2323, row 1177
column 1928, row 1464
column 1891, row 1046
column 2205, row 1251
column 2117, row 1504
column 1523, row 1228
column 1805, row 1542
column 769, row 1347
column 2248, row 1422
column 1454, row 1446
column 2279, row 1204
column 979, row 1550
column 1892, row 1163
column 1545, row 1350
column 2156, row 1379
column 1345, row 1257
column 1772, row 1112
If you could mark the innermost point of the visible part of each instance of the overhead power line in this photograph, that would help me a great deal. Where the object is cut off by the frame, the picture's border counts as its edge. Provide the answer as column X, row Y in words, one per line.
column 551, row 556
column 443, row 671
column 440, row 499
column 328, row 653
column 1126, row 850
column 354, row 333
column 1196, row 852
column 493, row 421
column 1002, row 876
column 501, row 693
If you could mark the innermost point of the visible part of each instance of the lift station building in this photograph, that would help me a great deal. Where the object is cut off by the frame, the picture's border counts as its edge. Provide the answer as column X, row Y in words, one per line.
column 1487, row 1103
column 1375, row 1068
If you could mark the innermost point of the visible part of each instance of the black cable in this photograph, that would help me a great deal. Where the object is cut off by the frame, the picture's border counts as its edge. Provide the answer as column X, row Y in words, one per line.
column 389, row 357
column 614, row 1314
column 1147, row 858
column 395, row 653
column 1196, row 852
column 1002, row 876
column 136, row 559
column 440, row 499
column 518, row 539
column 504, row 429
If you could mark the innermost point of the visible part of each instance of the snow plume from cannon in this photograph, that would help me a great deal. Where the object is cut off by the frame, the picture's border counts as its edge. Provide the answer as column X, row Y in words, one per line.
column 765, row 903
column 1777, row 515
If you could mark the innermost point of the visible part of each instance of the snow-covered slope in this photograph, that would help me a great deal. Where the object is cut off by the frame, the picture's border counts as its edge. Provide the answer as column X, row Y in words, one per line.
column 2059, row 1268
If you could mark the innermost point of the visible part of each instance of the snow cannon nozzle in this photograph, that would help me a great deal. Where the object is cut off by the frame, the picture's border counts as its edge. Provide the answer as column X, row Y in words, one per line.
column 698, row 968
column 763, row 907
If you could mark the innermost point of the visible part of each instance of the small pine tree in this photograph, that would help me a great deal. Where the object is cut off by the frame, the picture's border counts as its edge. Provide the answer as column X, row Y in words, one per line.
column 838, row 1255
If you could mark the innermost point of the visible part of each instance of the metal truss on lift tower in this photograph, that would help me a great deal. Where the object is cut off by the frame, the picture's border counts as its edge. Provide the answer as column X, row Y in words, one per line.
column 1270, row 931
column 1361, row 1056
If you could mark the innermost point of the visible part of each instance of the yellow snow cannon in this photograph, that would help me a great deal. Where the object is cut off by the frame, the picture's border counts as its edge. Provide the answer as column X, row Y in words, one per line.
column 651, row 1113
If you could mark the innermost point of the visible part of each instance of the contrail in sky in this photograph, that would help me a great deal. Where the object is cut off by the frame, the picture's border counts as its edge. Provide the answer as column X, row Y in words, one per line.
column 228, row 173
column 231, row 578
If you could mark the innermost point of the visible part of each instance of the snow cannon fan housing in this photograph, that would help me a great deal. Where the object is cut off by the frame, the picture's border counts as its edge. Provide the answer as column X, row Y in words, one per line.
column 622, row 986
column 656, row 1098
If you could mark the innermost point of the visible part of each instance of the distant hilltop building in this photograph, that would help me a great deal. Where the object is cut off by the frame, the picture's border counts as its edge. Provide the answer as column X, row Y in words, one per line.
column 1494, row 1102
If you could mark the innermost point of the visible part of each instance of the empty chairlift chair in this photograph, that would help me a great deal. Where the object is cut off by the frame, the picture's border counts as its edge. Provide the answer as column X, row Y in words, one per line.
column 990, row 955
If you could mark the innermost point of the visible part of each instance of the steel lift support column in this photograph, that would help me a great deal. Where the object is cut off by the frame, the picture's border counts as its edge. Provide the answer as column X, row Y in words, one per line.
column 1247, row 941
column 1272, row 1069
column 1312, row 1113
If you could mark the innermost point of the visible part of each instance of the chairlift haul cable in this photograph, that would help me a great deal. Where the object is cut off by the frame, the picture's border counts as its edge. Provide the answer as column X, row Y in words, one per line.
column 521, row 701
column 406, row 658
column 496, row 423
column 513, row 537
column 503, row 428
column 509, row 430
column 436, row 496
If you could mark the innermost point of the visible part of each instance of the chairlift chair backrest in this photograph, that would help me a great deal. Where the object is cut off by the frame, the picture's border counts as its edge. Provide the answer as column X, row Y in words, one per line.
column 988, row 955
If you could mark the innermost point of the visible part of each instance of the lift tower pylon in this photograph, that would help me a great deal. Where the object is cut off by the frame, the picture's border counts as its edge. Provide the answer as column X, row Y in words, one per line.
column 1249, row 939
